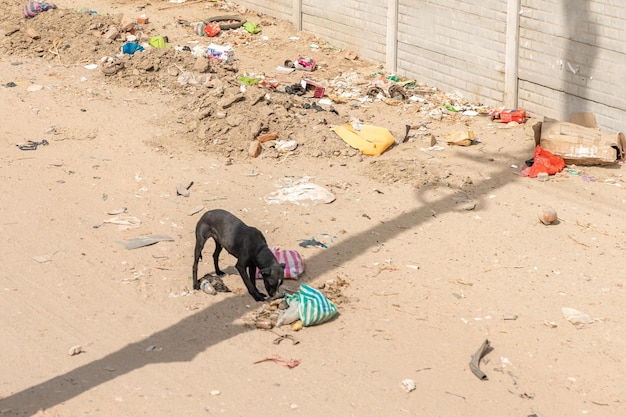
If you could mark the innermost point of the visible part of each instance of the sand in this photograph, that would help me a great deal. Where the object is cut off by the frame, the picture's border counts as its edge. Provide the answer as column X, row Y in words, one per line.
column 430, row 250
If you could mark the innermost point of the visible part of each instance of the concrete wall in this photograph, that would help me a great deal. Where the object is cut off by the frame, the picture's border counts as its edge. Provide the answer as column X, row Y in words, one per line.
column 358, row 25
column 280, row 9
column 573, row 58
column 454, row 45
column 569, row 56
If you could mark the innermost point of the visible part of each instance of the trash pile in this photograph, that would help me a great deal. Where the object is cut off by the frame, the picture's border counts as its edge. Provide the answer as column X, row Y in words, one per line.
column 306, row 307
column 298, row 101
column 237, row 99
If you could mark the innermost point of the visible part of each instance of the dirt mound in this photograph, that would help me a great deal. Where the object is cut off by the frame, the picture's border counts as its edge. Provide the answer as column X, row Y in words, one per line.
column 223, row 105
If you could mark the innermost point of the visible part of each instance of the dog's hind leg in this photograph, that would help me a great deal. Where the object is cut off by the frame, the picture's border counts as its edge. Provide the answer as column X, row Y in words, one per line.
column 216, row 257
column 197, row 255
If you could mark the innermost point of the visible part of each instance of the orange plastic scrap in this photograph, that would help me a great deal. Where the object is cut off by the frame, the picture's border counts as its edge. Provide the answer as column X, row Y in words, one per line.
column 544, row 161
column 370, row 140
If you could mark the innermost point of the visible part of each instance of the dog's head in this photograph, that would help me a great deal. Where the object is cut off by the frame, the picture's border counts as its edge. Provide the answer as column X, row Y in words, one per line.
column 273, row 278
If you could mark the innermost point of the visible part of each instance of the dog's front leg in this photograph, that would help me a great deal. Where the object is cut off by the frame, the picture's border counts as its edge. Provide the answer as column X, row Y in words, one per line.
column 248, row 279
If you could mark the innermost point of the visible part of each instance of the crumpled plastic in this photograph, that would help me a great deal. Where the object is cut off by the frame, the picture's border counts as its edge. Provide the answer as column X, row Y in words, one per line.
column 33, row 8
column 251, row 27
column 157, row 42
column 130, row 48
column 544, row 161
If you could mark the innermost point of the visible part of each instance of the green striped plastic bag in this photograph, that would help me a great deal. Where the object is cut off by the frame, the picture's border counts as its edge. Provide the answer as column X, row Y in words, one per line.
column 313, row 306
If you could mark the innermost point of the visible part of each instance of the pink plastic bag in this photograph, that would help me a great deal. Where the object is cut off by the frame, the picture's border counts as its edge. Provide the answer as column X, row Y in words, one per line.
column 294, row 265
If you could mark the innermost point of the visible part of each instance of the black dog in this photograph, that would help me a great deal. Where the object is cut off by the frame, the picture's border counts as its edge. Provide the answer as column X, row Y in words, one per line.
column 245, row 243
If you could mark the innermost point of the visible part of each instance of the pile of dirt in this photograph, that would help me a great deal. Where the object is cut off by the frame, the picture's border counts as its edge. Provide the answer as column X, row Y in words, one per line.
column 219, row 108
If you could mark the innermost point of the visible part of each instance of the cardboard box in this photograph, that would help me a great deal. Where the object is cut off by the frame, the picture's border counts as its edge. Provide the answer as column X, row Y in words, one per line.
column 223, row 53
column 579, row 141
column 318, row 90
column 518, row 116
column 509, row 115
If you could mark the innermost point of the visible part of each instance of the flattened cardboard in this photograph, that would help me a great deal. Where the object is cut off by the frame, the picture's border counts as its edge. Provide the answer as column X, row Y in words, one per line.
column 579, row 141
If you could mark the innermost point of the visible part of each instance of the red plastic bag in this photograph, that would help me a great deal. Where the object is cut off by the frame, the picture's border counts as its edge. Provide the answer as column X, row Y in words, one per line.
column 212, row 29
column 544, row 161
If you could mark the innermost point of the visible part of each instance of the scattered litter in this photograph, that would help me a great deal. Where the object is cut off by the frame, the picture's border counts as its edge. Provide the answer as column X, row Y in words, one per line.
column 207, row 287
column 313, row 306
column 125, row 222
column 215, row 282
column 196, row 209
column 294, row 264
column 576, row 317
column 91, row 66
column 154, row 348
column 252, row 28
column 286, row 145
column 508, row 115
column 461, row 138
column 286, row 337
column 221, row 53
column 543, row 161
column 187, row 77
column 44, row 258
column 139, row 242
column 183, row 189
column 215, row 392
column 370, row 140
column 303, row 193
column 75, row 350
column 115, row 212
column 33, row 8
column 408, row 385
column 264, row 324
column 432, row 148
column 476, row 358
column 289, row 315
column 580, row 141
column 130, row 48
column 291, row 363
column 312, row 243
column 285, row 70
column 31, row 145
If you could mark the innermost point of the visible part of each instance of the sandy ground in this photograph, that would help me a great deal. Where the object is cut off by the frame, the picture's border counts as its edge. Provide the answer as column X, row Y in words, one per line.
column 438, row 250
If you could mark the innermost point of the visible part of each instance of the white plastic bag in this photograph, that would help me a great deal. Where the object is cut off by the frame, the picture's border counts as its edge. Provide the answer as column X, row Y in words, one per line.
column 289, row 315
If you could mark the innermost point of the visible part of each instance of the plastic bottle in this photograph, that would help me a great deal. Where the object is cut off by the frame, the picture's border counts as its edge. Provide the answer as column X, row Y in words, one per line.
column 206, row 287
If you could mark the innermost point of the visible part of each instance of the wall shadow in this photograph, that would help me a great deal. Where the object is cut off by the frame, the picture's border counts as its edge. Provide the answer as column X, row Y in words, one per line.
column 580, row 54
column 182, row 342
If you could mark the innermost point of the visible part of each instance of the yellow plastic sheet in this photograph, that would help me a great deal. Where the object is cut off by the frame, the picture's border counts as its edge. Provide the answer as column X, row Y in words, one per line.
column 370, row 140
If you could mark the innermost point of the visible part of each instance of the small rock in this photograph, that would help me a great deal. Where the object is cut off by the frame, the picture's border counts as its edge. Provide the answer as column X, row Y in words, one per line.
column 75, row 350
column 255, row 149
column 215, row 392
column 408, row 385
column 547, row 215
column 229, row 101
column 264, row 324
column 201, row 65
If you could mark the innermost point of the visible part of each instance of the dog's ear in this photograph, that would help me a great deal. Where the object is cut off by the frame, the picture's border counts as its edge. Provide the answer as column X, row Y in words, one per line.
column 283, row 265
column 266, row 272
